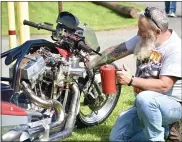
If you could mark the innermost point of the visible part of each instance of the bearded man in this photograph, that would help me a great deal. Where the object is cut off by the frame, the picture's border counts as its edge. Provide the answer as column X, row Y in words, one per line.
column 157, row 82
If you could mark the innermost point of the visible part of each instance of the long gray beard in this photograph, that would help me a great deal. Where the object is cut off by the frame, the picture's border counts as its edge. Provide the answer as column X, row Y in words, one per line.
column 144, row 48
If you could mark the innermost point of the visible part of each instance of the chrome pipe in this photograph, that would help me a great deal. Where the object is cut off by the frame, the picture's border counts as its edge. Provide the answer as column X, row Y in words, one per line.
column 71, row 117
column 77, row 71
column 73, row 108
column 12, row 135
column 60, row 113
column 45, row 104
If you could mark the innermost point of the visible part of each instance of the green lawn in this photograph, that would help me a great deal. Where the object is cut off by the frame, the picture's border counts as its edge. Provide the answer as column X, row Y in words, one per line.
column 96, row 16
column 102, row 131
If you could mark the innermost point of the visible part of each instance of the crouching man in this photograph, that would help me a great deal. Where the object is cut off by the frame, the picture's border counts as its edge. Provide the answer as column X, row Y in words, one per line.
column 157, row 82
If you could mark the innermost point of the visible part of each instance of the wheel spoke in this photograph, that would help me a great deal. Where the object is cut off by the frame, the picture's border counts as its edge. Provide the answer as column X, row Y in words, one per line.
column 97, row 107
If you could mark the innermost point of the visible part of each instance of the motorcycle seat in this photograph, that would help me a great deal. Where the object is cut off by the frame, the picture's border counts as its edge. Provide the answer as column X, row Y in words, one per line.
column 4, row 86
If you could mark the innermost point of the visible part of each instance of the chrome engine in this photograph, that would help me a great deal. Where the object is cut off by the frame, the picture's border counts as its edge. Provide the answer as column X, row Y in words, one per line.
column 45, row 64
column 47, row 73
column 44, row 76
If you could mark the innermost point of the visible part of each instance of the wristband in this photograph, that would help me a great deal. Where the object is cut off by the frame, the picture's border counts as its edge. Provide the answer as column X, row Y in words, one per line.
column 131, row 80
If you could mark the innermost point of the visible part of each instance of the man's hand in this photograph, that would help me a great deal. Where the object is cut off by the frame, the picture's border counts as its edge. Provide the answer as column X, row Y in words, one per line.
column 124, row 75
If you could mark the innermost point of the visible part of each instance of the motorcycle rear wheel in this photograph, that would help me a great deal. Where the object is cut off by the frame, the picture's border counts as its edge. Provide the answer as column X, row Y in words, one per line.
column 89, row 117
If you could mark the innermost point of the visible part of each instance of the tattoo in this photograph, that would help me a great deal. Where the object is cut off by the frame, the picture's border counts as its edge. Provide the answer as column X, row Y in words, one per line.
column 118, row 52
column 110, row 55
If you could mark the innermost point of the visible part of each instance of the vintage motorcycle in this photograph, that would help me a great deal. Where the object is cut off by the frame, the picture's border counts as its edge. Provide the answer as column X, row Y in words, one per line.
column 50, row 90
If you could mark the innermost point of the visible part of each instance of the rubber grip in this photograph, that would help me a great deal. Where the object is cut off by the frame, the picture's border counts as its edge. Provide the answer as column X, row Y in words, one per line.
column 84, row 47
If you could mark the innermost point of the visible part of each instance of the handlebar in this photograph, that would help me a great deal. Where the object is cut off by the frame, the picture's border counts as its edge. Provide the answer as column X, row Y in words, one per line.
column 84, row 47
column 38, row 25
column 80, row 43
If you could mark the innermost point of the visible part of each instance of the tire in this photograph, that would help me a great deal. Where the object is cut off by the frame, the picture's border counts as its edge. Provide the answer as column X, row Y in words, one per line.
column 102, row 113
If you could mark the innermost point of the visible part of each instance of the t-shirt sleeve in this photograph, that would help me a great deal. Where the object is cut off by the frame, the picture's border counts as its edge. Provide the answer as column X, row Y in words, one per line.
column 171, row 65
column 131, row 43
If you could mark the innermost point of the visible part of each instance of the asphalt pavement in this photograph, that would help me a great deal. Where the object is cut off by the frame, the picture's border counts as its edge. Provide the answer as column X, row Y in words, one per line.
column 113, row 37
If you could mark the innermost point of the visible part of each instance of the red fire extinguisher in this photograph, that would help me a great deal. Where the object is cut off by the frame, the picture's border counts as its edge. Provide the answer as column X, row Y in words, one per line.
column 108, row 79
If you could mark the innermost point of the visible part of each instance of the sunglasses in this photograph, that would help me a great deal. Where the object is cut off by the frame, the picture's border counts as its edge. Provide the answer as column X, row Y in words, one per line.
column 147, row 14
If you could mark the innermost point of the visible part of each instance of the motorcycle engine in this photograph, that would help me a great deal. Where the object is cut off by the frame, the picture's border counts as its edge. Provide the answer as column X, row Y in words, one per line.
column 46, row 72
column 41, row 70
column 32, row 67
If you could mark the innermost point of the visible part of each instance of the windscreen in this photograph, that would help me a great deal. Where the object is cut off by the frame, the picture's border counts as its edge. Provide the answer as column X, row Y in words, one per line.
column 90, row 36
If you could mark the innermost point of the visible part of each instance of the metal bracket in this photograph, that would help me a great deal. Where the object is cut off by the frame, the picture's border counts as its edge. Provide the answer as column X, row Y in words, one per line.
column 45, row 135
column 45, row 123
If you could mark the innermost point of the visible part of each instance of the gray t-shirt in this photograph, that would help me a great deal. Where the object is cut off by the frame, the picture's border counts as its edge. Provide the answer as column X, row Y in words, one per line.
column 164, row 60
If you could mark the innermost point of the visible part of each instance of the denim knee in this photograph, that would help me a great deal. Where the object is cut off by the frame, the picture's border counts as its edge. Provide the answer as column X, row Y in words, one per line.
column 145, row 98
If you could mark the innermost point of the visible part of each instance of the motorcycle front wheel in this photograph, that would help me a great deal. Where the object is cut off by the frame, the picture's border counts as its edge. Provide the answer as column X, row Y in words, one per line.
column 94, row 111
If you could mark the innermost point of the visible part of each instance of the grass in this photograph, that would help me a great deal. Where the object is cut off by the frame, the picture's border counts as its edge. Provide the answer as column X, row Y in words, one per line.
column 102, row 131
column 96, row 16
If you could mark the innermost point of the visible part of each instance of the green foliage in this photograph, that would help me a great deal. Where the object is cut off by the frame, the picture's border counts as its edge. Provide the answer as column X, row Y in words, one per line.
column 96, row 16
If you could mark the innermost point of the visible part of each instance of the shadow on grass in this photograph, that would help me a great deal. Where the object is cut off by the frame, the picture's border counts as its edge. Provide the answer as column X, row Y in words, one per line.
column 129, row 102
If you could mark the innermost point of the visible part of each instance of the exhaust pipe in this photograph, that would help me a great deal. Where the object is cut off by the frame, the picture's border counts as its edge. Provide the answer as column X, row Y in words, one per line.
column 58, row 124
column 11, row 135
column 58, row 107
column 45, row 104
column 71, row 117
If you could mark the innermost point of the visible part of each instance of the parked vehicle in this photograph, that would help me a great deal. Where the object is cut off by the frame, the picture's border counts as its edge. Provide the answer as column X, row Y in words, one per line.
column 50, row 90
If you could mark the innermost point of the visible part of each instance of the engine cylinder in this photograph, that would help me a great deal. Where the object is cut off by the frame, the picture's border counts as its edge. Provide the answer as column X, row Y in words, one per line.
column 74, row 61
column 108, row 79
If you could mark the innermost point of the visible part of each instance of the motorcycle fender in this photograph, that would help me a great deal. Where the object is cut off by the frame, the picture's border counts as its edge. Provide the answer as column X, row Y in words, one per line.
column 12, row 114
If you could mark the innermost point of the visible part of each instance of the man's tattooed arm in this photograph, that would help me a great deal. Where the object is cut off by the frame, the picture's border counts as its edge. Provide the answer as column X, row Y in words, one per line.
column 109, row 55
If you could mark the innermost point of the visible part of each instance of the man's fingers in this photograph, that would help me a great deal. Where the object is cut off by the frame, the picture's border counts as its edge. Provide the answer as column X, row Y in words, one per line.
column 119, row 73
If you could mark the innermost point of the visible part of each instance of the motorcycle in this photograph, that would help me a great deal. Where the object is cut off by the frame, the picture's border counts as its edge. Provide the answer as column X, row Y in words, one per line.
column 50, row 91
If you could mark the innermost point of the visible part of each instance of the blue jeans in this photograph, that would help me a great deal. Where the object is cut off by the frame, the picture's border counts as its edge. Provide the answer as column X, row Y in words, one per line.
column 148, row 119
column 170, row 6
